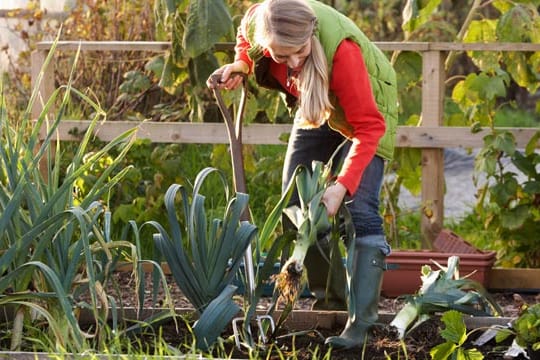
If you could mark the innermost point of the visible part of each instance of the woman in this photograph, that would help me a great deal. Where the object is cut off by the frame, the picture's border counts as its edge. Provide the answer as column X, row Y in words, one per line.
column 342, row 87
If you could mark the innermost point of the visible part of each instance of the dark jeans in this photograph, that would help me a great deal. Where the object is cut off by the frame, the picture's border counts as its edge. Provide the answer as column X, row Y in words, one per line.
column 307, row 145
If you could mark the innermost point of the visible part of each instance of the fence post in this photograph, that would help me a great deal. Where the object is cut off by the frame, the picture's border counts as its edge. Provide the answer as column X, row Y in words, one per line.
column 45, row 89
column 432, row 207
column 46, row 86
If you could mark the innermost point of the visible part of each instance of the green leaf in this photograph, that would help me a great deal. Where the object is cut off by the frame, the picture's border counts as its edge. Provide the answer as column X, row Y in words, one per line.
column 217, row 315
column 201, row 67
column 533, row 143
column 531, row 187
column 207, row 22
column 522, row 73
column 502, row 5
column 172, row 77
column 62, row 298
column 171, row 5
column 409, row 14
column 442, row 351
column 408, row 66
column 514, row 218
column 470, row 354
column 526, row 164
column 207, row 261
column 505, row 142
column 504, row 191
column 487, row 87
column 455, row 330
column 515, row 25
column 459, row 92
column 414, row 16
column 482, row 31
column 275, row 216
column 155, row 65
column 495, row 87
column 135, row 82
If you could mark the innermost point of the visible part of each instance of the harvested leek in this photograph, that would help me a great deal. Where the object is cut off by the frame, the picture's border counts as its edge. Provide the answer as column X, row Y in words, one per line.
column 444, row 290
column 310, row 218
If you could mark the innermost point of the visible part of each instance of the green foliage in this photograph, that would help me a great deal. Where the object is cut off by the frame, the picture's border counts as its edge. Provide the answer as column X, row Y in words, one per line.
column 54, row 234
column 205, row 253
column 153, row 168
column 527, row 327
column 380, row 20
column 416, row 13
column 475, row 95
column 455, row 335
column 194, row 27
column 207, row 22
column 509, row 204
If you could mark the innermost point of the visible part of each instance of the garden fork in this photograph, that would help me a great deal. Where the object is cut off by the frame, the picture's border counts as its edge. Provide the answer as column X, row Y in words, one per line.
column 234, row 131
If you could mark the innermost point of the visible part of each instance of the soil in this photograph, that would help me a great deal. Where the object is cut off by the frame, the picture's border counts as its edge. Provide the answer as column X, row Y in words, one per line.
column 383, row 343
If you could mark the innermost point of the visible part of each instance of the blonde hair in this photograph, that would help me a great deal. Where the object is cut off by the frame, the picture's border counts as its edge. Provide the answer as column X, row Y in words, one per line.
column 293, row 23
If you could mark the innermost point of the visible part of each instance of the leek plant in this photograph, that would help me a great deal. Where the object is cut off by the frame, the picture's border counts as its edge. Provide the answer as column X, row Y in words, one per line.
column 444, row 290
column 310, row 220
column 204, row 254
column 51, row 242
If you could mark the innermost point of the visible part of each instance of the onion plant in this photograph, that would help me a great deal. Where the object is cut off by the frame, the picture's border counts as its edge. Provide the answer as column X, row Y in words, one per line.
column 52, row 242
column 444, row 290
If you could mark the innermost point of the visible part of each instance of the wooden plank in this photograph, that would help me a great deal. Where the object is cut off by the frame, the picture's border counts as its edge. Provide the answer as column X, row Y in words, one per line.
column 188, row 133
column 159, row 46
column 153, row 46
column 432, row 215
column 446, row 46
column 454, row 137
column 46, row 84
column 514, row 279
column 208, row 133
column 42, row 80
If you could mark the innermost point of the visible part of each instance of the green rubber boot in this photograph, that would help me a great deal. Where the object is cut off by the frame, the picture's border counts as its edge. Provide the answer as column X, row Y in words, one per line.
column 365, row 286
column 330, row 293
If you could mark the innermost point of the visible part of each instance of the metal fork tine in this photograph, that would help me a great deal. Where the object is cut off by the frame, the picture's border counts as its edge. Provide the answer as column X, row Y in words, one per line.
column 260, row 320
column 262, row 333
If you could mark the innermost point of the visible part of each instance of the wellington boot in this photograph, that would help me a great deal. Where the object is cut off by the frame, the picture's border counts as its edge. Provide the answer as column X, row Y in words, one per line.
column 330, row 294
column 365, row 286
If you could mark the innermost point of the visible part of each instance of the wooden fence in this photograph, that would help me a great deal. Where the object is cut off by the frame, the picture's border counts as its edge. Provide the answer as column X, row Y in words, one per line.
column 431, row 136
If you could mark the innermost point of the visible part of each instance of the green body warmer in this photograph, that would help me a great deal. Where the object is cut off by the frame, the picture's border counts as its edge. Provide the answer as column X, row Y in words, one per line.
column 333, row 27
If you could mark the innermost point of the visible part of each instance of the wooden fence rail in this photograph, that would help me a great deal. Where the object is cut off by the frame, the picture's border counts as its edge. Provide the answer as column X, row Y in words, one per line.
column 431, row 136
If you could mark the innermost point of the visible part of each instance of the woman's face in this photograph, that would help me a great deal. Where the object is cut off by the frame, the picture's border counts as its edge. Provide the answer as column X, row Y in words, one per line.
column 294, row 57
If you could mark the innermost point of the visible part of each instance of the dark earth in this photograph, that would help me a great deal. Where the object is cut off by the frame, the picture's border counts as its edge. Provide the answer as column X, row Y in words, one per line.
column 383, row 344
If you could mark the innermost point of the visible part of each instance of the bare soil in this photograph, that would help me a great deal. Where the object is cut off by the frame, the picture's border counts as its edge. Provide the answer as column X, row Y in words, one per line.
column 383, row 344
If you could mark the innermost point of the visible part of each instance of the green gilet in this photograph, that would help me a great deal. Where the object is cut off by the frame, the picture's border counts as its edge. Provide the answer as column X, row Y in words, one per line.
column 333, row 27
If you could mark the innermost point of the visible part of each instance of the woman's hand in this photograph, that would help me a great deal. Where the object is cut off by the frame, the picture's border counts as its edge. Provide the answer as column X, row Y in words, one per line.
column 224, row 77
column 333, row 197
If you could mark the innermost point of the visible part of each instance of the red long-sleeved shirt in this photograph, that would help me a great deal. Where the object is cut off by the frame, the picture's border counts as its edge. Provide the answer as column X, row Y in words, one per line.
column 351, row 85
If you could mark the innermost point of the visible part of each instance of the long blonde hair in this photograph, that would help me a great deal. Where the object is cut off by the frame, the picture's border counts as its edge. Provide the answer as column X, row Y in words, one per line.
column 292, row 23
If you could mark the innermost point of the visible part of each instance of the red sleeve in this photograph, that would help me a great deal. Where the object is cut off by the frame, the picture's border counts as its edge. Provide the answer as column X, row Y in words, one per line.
column 242, row 44
column 350, row 83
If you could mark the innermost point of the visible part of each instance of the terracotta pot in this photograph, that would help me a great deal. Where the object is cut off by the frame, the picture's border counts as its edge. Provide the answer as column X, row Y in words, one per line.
column 406, row 278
